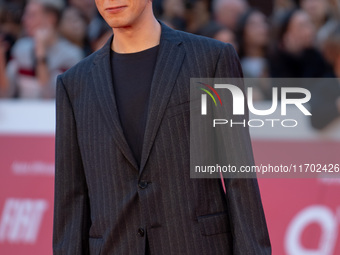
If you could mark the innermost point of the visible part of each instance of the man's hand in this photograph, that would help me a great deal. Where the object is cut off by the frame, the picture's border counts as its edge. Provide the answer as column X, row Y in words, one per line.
column 42, row 39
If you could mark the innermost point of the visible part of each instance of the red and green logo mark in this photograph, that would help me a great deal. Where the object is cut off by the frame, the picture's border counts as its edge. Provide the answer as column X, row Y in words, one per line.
column 210, row 94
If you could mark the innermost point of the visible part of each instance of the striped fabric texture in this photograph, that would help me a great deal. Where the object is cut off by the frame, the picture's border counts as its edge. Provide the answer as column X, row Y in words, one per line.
column 105, row 204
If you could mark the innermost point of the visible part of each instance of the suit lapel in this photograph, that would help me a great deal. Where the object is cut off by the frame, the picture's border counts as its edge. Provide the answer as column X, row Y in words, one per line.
column 168, row 64
column 102, row 78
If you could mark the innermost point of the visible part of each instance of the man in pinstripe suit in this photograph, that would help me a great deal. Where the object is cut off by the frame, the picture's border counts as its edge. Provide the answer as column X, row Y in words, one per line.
column 107, row 201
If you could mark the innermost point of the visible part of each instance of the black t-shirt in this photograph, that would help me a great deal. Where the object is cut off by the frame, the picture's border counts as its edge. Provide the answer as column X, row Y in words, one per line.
column 132, row 77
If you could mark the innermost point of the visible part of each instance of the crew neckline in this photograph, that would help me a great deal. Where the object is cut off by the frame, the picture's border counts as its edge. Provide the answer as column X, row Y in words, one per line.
column 142, row 52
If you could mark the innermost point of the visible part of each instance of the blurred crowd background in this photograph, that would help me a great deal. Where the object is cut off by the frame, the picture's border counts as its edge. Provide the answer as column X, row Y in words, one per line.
column 39, row 39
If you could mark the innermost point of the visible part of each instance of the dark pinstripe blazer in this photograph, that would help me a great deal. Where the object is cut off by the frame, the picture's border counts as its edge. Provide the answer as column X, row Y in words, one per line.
column 103, row 200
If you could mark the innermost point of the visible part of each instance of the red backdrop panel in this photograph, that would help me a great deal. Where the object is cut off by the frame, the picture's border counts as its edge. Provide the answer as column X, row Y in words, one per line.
column 302, row 214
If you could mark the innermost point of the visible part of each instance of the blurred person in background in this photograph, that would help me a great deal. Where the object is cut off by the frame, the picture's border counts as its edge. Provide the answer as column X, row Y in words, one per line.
column 333, row 16
column 87, row 7
column 282, row 6
column 94, row 20
column 321, row 15
column 3, row 62
column 73, row 26
column 10, row 27
column 318, row 10
column 42, row 54
column 264, row 6
column 293, row 54
column 252, row 33
column 218, row 32
column 197, row 14
column 10, row 19
column 325, row 101
column 157, row 7
column 334, row 9
column 173, row 13
column 227, row 12
column 104, row 31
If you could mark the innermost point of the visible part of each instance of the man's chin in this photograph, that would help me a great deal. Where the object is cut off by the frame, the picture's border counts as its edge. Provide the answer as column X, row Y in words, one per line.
column 119, row 23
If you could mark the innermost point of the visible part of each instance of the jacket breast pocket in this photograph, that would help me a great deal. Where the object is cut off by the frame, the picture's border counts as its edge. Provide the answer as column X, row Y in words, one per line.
column 95, row 245
column 187, row 107
column 212, row 224
column 174, row 110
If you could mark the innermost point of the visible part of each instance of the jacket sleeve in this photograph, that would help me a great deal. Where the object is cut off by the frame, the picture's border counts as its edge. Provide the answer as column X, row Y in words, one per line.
column 249, row 228
column 71, row 220
column 323, row 103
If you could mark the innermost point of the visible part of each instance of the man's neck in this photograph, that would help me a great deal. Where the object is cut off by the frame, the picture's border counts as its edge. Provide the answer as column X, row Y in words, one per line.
column 138, row 37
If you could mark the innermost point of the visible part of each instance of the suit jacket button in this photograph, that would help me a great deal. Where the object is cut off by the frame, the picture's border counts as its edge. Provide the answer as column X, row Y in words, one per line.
column 141, row 232
column 143, row 184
